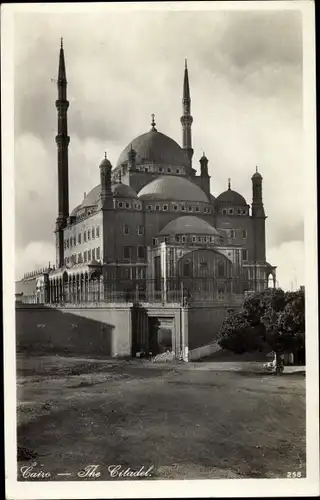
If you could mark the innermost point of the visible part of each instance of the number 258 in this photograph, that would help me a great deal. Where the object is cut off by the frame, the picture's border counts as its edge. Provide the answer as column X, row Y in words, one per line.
column 294, row 474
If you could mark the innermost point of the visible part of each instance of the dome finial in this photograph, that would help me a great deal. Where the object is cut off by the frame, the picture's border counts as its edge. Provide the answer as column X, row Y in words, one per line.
column 186, row 63
column 105, row 155
column 153, row 123
column 256, row 169
column 61, row 42
column 229, row 183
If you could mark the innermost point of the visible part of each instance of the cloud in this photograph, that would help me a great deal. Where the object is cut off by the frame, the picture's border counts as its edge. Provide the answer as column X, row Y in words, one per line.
column 35, row 255
column 246, row 86
column 289, row 257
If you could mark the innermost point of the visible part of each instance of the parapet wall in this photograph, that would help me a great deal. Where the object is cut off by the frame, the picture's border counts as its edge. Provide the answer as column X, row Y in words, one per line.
column 94, row 330
column 100, row 329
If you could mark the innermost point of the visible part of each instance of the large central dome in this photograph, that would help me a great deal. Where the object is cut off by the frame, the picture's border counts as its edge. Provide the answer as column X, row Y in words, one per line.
column 172, row 187
column 155, row 147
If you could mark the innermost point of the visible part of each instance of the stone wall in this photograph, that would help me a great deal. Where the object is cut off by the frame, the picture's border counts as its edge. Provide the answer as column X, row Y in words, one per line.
column 106, row 330
column 95, row 330
column 204, row 323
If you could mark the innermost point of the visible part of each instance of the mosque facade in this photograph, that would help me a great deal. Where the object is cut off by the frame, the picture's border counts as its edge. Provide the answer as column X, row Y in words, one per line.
column 151, row 230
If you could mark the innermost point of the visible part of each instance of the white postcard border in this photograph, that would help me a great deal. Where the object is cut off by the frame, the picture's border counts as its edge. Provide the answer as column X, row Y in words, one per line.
column 161, row 488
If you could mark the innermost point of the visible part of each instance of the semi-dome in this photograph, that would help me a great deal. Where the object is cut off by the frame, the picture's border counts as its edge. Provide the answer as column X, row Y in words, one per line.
column 189, row 224
column 155, row 147
column 92, row 198
column 75, row 210
column 123, row 191
column 231, row 197
column 172, row 187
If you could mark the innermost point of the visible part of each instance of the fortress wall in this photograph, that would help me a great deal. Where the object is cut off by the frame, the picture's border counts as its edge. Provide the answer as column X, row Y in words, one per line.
column 101, row 331
column 204, row 323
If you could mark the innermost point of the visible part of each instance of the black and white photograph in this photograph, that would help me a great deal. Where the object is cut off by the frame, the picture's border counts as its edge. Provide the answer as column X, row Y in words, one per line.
column 160, row 249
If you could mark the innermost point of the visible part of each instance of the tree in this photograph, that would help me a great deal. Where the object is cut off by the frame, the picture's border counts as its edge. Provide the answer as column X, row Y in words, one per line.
column 238, row 335
column 285, row 326
column 272, row 318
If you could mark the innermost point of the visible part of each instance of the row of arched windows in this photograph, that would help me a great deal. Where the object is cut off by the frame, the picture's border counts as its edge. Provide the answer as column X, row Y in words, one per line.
column 82, row 237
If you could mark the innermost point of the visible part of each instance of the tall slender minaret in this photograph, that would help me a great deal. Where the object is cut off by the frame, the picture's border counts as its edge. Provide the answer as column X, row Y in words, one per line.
column 62, row 140
column 186, row 118
column 259, row 218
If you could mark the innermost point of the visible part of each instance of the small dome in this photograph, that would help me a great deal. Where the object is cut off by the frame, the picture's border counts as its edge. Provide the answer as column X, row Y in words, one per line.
column 172, row 188
column 105, row 163
column 203, row 159
column 189, row 224
column 123, row 191
column 256, row 175
column 231, row 197
column 155, row 147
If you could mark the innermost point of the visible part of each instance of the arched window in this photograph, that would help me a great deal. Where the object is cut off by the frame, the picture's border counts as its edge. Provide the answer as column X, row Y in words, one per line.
column 187, row 268
column 221, row 269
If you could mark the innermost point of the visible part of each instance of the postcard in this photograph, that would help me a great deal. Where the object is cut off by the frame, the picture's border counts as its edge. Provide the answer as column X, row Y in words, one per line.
column 160, row 250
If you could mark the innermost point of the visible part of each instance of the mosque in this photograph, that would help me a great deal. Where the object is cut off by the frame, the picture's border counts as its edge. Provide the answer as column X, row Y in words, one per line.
column 151, row 231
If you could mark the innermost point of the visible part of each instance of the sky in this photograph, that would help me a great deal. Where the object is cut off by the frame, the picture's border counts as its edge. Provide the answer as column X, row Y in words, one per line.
column 245, row 71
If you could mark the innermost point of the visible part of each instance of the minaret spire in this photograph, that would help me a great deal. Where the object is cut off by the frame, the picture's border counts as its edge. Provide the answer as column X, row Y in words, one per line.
column 62, row 141
column 186, row 118
column 153, row 123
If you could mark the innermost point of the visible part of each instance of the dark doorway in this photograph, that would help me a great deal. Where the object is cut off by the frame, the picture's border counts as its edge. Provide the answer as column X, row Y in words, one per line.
column 140, row 331
column 160, row 335
column 154, row 347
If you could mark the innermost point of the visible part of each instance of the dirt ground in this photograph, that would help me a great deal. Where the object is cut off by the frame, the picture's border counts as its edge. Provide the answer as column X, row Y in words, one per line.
column 186, row 421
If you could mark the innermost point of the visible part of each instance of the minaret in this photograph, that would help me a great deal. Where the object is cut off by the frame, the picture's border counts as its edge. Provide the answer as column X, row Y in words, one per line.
column 257, row 203
column 204, row 174
column 105, row 183
column 204, row 166
column 259, row 218
column 186, row 118
column 132, row 159
column 62, row 140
